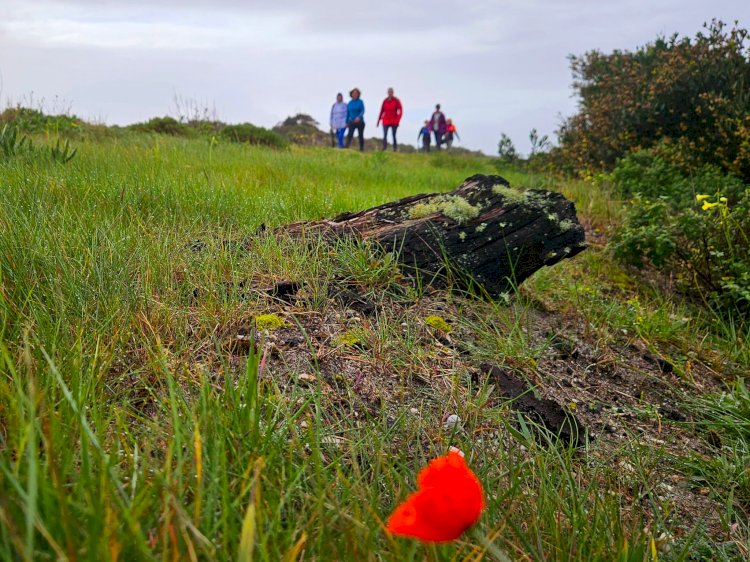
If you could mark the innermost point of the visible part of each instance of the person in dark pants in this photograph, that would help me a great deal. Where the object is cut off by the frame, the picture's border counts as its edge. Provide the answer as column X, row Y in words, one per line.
column 450, row 132
column 355, row 118
column 390, row 115
column 424, row 134
column 437, row 125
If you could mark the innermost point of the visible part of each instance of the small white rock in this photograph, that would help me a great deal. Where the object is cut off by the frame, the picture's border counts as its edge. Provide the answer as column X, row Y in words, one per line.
column 307, row 378
column 452, row 422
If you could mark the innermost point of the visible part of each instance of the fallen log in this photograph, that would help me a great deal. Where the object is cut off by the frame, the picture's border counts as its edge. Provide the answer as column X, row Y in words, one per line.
column 485, row 231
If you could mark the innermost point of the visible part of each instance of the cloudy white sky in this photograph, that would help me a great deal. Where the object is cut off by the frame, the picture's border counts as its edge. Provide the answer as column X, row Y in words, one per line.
column 495, row 66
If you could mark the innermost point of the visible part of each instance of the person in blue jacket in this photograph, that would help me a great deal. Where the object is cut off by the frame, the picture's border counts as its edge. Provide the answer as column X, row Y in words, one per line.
column 355, row 118
column 338, row 119
column 424, row 134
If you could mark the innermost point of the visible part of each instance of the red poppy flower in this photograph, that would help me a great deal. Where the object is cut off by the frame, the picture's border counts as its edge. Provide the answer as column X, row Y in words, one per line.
column 448, row 500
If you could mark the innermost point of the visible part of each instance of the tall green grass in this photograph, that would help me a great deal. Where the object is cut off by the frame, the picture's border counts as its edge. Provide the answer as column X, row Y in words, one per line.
column 129, row 431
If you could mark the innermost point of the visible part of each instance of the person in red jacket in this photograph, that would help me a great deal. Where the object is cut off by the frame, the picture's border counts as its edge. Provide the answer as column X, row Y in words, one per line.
column 450, row 132
column 390, row 114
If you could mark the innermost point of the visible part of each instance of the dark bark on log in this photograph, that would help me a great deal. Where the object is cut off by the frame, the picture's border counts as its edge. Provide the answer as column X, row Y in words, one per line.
column 484, row 230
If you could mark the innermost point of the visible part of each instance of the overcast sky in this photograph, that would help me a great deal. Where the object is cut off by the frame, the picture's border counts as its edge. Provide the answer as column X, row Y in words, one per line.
column 495, row 66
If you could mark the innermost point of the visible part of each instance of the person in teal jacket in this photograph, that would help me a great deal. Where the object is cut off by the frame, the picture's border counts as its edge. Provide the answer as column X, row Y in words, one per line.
column 355, row 118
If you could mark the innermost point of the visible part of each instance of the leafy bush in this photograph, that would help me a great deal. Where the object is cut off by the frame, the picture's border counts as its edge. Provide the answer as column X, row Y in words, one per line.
column 539, row 144
column 302, row 129
column 164, row 126
column 690, row 92
column 506, row 150
column 247, row 132
column 205, row 126
column 27, row 120
column 704, row 244
column 658, row 173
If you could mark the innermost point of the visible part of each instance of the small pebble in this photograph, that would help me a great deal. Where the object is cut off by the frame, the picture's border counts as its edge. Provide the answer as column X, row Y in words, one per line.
column 306, row 378
column 452, row 423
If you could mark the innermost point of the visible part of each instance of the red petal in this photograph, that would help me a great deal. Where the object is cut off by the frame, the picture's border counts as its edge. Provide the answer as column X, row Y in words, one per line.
column 448, row 502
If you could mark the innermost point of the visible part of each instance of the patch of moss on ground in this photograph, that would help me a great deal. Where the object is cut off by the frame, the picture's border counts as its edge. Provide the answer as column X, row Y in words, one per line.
column 269, row 322
column 438, row 323
column 348, row 339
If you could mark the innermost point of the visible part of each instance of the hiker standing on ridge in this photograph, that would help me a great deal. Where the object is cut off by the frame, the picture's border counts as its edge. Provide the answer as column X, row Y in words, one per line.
column 355, row 118
column 450, row 131
column 437, row 125
column 338, row 119
column 390, row 114
column 424, row 134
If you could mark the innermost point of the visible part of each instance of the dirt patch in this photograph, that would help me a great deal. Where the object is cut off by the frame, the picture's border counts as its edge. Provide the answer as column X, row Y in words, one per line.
column 370, row 352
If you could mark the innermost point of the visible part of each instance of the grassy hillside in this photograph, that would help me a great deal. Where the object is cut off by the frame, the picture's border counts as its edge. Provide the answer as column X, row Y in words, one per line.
column 136, row 425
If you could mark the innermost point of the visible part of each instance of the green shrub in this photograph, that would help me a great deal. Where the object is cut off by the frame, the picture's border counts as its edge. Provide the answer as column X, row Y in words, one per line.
column 249, row 133
column 506, row 150
column 205, row 126
column 704, row 247
column 659, row 172
column 164, row 126
column 302, row 129
column 691, row 223
column 692, row 91
column 27, row 120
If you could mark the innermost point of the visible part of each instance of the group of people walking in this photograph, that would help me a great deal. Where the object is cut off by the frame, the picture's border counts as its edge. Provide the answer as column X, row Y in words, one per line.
column 443, row 129
column 351, row 117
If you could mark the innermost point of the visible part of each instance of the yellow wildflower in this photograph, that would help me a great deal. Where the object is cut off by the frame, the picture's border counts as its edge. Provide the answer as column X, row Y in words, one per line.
column 707, row 205
column 701, row 197
column 723, row 199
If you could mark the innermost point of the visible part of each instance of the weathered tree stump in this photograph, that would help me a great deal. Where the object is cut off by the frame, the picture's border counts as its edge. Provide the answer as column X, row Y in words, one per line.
column 484, row 230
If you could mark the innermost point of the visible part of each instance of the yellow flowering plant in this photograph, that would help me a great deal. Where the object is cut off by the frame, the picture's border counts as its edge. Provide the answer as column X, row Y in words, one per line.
column 704, row 246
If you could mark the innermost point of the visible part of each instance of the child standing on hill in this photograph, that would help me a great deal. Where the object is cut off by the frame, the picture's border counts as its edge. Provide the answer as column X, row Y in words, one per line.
column 450, row 131
column 424, row 134
column 355, row 118
column 338, row 119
